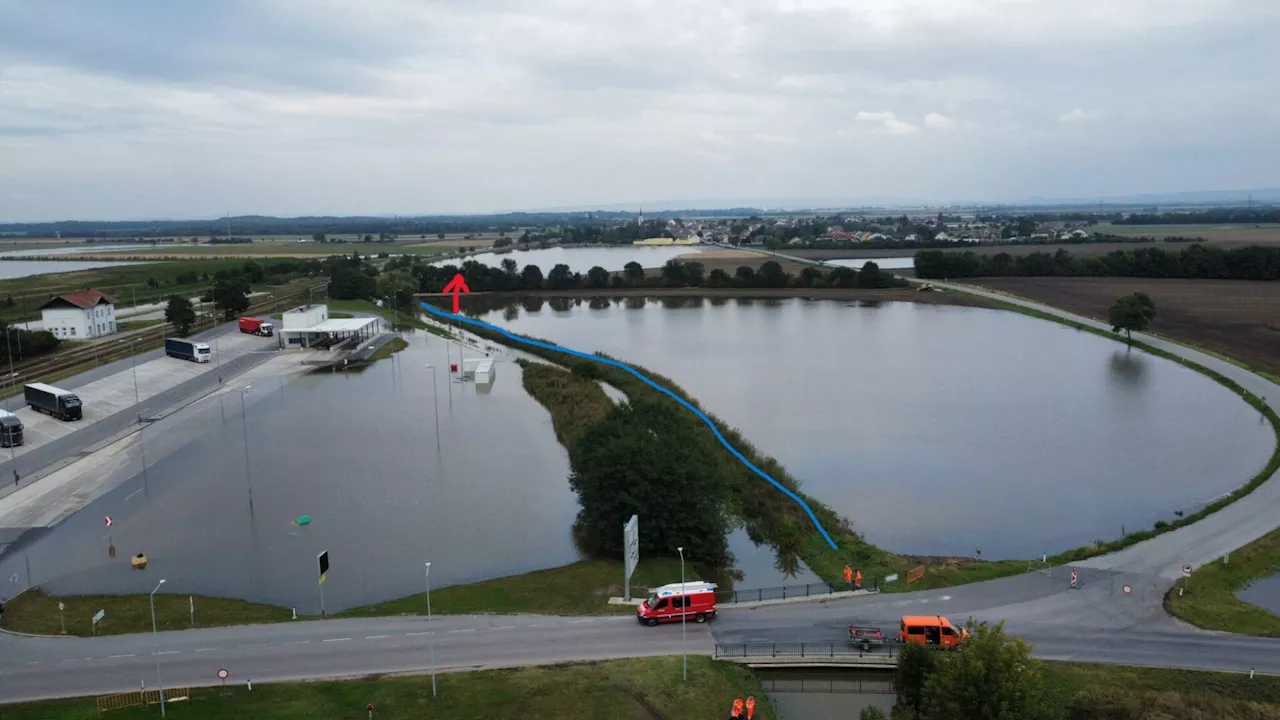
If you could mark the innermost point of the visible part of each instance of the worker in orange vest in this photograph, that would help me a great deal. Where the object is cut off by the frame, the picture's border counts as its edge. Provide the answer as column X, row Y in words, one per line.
column 857, row 580
column 848, row 575
column 751, row 707
column 737, row 709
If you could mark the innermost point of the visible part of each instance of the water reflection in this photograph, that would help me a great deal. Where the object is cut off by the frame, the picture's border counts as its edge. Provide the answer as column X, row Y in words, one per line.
column 827, row 693
column 1263, row 592
column 1026, row 438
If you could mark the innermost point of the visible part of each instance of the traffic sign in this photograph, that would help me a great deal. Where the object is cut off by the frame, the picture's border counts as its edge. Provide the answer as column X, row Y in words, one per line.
column 108, row 520
column 1128, row 590
column 323, row 560
column 61, row 606
column 223, row 674
column 1186, row 569
column 1074, row 577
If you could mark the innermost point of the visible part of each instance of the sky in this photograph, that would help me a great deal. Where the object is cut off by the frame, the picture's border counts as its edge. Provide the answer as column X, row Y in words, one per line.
column 160, row 109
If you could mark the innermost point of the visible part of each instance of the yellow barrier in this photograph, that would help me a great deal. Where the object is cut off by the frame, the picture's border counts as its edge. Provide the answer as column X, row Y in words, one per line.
column 915, row 575
column 139, row 698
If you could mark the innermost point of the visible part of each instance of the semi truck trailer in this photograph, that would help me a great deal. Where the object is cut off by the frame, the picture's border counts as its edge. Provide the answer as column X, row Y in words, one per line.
column 62, row 404
column 256, row 326
column 187, row 350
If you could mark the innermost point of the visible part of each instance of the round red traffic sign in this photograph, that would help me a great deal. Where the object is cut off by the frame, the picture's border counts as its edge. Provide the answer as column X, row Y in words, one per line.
column 1186, row 569
column 1127, row 590
column 223, row 674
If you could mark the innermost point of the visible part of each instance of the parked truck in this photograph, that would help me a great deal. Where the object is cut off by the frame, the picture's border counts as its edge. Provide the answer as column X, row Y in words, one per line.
column 62, row 404
column 256, row 326
column 187, row 350
column 10, row 429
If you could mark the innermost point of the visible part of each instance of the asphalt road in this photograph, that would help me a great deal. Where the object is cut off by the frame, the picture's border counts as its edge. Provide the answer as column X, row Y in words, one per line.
column 71, row 445
column 1115, row 615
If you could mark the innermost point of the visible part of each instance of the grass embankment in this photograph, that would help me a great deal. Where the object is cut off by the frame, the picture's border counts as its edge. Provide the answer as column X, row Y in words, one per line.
column 389, row 348
column 37, row 613
column 583, row 588
column 127, row 325
column 765, row 512
column 1210, row 601
column 639, row 688
column 1076, row 691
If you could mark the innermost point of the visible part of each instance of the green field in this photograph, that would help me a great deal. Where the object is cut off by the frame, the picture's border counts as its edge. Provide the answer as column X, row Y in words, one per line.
column 1209, row 595
column 1228, row 234
column 36, row 613
column 285, row 246
column 618, row 689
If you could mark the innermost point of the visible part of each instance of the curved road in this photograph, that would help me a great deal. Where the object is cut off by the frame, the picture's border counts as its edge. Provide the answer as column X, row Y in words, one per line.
column 1099, row 621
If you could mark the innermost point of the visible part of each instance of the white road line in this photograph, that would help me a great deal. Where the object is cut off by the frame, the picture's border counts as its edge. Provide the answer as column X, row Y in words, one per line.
column 299, row 642
column 463, row 630
column 945, row 597
column 924, row 600
column 375, row 637
column 415, row 634
column 130, row 495
column 204, row 649
column 586, row 620
column 114, row 657
column 168, row 652
column 335, row 639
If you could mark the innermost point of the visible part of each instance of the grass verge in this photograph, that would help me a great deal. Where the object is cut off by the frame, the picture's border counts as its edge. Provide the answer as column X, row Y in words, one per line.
column 37, row 613
column 127, row 325
column 1075, row 690
column 1210, row 601
column 636, row 688
column 575, row 403
column 582, row 588
column 389, row 348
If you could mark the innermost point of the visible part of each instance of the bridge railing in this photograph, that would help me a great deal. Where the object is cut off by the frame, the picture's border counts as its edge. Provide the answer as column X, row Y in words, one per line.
column 816, row 651
column 784, row 592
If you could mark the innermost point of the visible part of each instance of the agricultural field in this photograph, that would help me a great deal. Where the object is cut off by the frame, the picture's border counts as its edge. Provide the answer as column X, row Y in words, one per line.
column 271, row 246
column 1227, row 236
column 1236, row 318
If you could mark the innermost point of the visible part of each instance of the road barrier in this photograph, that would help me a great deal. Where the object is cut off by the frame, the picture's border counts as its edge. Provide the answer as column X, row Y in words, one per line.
column 141, row 698
column 122, row 345
column 804, row 653
column 915, row 574
column 784, row 592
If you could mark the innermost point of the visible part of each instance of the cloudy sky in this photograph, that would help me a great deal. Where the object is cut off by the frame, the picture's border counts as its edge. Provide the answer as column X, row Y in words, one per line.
column 157, row 108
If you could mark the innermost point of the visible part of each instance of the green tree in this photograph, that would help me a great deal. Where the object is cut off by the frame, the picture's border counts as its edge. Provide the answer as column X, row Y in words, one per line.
column 230, row 296
column 673, row 273
column 531, row 276
column 318, row 237
column 771, row 275
column 694, row 272
column 509, row 266
column 915, row 664
column 650, row 458
column 439, row 236
column 560, row 277
column 993, row 677
column 1131, row 312
column 597, row 277
column 180, row 313
column 502, row 242
column 633, row 272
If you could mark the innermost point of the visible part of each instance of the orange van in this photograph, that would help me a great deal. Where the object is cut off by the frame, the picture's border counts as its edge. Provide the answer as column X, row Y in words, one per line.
column 932, row 630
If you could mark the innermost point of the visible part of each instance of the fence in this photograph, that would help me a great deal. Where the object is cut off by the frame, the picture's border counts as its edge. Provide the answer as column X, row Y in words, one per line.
column 845, row 652
column 784, row 592
column 121, row 346
column 141, row 698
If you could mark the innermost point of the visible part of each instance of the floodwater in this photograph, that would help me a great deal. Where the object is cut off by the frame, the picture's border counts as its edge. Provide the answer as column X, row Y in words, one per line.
column 893, row 263
column 10, row 269
column 1263, row 592
column 827, row 694
column 581, row 260
column 938, row 430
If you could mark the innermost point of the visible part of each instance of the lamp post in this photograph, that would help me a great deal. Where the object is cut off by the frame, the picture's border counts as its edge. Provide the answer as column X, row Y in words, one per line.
column 244, row 426
column 155, row 637
column 8, row 341
column 133, row 359
column 435, row 400
column 684, row 607
column 431, row 636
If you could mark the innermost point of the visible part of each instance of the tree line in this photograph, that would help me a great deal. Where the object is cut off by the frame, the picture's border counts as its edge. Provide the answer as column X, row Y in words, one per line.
column 1197, row 261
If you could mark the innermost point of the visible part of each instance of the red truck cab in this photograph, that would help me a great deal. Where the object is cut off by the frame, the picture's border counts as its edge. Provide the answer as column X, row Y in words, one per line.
column 694, row 600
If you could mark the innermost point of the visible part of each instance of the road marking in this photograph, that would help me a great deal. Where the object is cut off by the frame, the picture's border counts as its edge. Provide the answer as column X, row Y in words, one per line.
column 299, row 642
column 585, row 620
column 415, row 634
column 503, row 627
column 169, row 652
column 924, row 600
column 335, row 639
column 114, row 657
column 945, row 597
column 375, row 637
column 542, row 625
column 204, row 649
column 130, row 495
column 463, row 630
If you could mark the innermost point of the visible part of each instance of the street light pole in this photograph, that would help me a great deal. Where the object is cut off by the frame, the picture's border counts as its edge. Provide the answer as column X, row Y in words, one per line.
column 155, row 638
column 431, row 637
column 244, row 426
column 684, row 611
column 435, row 400
column 8, row 341
column 133, row 358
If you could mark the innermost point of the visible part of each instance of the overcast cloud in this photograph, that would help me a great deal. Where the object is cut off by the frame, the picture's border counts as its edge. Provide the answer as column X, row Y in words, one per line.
column 155, row 108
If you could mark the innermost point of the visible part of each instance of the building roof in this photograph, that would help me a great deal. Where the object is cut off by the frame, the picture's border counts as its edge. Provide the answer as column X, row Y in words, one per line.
column 83, row 299
column 339, row 325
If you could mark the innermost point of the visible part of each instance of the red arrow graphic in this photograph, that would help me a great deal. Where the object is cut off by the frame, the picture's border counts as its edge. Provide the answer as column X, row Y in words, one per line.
column 455, row 286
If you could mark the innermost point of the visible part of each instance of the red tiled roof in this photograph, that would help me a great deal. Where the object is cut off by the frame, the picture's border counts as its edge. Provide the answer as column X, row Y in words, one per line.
column 83, row 299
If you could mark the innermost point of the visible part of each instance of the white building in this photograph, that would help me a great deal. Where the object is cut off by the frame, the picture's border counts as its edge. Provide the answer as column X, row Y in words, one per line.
column 310, row 325
column 79, row 315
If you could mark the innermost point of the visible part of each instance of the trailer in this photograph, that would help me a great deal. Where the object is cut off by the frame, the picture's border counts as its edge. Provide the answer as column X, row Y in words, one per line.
column 256, row 326
column 10, row 429
column 62, row 404
column 187, row 350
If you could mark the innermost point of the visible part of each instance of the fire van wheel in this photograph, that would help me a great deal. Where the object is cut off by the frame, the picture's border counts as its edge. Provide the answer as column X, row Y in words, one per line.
column 651, row 622
column 700, row 618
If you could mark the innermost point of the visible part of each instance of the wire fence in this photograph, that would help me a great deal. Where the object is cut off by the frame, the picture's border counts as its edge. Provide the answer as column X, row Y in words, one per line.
column 786, row 592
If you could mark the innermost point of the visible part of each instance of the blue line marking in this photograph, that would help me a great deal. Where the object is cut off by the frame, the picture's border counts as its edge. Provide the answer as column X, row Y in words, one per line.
column 606, row 361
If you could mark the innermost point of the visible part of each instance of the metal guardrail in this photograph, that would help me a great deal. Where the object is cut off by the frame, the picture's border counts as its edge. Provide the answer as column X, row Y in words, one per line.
column 843, row 652
column 784, row 592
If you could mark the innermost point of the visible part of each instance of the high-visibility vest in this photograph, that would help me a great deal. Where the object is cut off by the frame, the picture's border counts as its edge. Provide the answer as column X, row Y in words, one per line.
column 751, row 707
column 737, row 708
column 857, row 579
column 848, row 574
